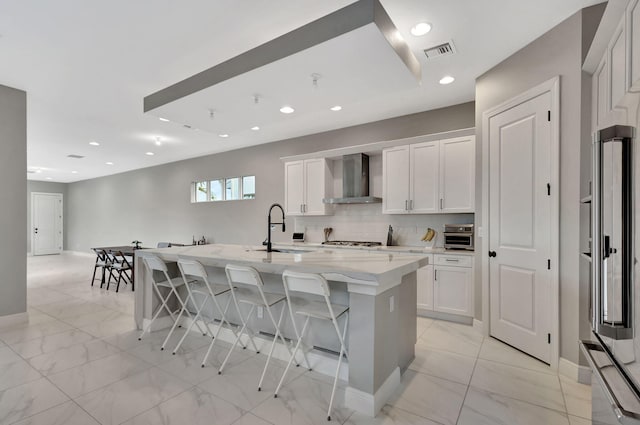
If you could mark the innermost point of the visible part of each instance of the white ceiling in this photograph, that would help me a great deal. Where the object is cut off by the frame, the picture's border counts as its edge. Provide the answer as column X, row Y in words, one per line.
column 87, row 66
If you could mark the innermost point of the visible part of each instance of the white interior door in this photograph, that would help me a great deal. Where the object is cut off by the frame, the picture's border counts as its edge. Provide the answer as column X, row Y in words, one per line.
column 520, row 158
column 46, row 223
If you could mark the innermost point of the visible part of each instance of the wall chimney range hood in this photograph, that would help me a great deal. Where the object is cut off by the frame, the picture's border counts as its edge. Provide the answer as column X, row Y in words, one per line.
column 355, row 181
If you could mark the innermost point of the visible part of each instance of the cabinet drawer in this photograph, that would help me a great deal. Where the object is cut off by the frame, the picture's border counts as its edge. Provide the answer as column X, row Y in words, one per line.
column 453, row 260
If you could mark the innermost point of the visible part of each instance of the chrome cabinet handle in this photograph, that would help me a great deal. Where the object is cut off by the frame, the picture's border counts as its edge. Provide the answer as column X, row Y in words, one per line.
column 441, row 207
column 435, row 275
column 453, row 260
column 411, row 204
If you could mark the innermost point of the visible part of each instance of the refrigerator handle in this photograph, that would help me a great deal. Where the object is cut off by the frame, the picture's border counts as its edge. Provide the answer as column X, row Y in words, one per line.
column 624, row 416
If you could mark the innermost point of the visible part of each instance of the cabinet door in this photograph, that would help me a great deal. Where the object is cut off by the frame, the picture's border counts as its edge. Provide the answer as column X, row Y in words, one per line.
column 293, row 187
column 633, row 44
column 395, row 180
column 452, row 290
column 425, row 287
column 316, row 174
column 599, row 94
column 423, row 184
column 617, row 66
column 457, row 175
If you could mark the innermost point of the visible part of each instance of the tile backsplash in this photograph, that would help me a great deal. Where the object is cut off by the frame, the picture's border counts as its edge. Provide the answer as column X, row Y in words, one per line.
column 365, row 222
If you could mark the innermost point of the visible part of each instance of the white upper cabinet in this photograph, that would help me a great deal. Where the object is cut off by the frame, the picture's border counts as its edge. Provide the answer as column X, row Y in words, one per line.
column 307, row 182
column 429, row 177
column 632, row 30
column 395, row 180
column 425, row 174
column 457, row 175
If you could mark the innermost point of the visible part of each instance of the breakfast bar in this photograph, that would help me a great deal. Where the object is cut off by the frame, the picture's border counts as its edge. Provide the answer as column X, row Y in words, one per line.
column 378, row 287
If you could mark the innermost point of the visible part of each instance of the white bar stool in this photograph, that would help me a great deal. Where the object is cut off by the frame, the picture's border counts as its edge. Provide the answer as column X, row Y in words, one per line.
column 154, row 263
column 208, row 290
column 315, row 284
column 255, row 298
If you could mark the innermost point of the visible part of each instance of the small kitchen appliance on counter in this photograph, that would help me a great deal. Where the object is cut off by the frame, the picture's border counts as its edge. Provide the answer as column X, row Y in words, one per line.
column 458, row 236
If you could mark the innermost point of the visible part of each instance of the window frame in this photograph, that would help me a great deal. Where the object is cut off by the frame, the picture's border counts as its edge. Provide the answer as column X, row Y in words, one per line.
column 240, row 178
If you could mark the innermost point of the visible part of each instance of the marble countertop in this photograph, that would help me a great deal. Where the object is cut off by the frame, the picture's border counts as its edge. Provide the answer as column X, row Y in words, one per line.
column 371, row 268
column 394, row 248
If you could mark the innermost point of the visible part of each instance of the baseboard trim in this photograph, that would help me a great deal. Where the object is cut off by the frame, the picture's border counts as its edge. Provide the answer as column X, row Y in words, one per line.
column 465, row 320
column 81, row 253
column 14, row 319
column 581, row 374
column 370, row 404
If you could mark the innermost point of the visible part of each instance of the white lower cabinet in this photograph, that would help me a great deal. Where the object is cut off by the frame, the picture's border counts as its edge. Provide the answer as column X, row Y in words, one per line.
column 446, row 285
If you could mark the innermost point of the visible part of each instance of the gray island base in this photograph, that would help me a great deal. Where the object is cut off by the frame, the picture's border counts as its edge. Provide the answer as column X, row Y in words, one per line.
column 379, row 288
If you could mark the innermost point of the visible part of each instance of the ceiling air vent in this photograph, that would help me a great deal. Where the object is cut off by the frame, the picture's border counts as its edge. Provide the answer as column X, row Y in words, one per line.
column 75, row 156
column 440, row 50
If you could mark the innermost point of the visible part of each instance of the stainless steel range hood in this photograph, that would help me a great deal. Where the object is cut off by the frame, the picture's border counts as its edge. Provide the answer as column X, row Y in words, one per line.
column 355, row 181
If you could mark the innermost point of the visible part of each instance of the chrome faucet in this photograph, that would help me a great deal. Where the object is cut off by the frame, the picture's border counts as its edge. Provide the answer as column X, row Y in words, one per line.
column 270, row 223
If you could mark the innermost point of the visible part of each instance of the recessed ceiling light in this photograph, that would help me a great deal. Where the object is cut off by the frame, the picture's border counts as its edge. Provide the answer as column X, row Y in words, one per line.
column 287, row 110
column 74, row 172
column 149, row 153
column 255, row 128
column 94, row 143
column 336, row 108
column 109, row 163
column 224, row 135
column 158, row 142
column 49, row 178
column 447, row 79
column 163, row 119
column 421, row 29
column 38, row 171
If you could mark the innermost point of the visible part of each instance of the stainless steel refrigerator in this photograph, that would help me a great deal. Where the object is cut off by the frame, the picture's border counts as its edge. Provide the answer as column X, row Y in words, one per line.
column 614, row 351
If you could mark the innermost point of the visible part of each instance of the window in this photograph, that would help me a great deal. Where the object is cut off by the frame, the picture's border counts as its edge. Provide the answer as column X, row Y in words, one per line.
column 224, row 189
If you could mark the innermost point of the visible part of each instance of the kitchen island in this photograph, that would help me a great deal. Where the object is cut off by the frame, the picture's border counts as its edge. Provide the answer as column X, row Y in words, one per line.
column 380, row 289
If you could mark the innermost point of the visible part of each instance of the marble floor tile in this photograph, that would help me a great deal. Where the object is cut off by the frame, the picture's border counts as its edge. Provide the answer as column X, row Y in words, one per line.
column 575, row 420
column 436, row 399
column 39, row 296
column 527, row 385
column 389, row 416
column 442, row 364
column 188, row 366
column 485, row 408
column 251, row 419
column 84, row 320
column 457, row 339
column 194, row 407
column 27, row 331
column 14, row 370
column 496, row 351
column 68, row 413
column 76, row 355
column 49, row 343
column 239, row 384
column 99, row 373
column 68, row 307
column 122, row 400
column 29, row 399
column 111, row 327
column 303, row 401
column 422, row 325
column 577, row 397
column 149, row 349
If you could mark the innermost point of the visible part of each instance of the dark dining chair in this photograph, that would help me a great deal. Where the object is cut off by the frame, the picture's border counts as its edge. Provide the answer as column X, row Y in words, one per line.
column 123, row 266
column 102, row 262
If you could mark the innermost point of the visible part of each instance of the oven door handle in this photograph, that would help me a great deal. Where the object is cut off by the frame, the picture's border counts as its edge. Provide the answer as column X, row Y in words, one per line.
column 458, row 234
column 624, row 416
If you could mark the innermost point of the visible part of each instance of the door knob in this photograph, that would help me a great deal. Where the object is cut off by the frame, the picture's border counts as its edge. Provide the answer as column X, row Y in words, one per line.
column 492, row 254
column 36, row 230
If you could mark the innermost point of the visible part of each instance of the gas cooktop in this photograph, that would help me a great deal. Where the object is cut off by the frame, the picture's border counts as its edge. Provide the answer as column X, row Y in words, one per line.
column 352, row 243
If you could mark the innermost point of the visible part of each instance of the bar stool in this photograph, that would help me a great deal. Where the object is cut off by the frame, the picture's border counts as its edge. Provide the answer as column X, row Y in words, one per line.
column 255, row 298
column 315, row 284
column 154, row 263
column 209, row 291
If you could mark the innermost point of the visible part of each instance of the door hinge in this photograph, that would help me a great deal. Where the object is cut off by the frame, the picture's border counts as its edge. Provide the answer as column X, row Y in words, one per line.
column 548, row 115
column 548, row 189
column 548, row 264
column 548, row 338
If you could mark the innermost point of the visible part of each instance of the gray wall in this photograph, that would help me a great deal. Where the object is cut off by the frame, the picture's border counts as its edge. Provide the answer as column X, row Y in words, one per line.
column 558, row 52
column 46, row 187
column 13, row 187
column 153, row 204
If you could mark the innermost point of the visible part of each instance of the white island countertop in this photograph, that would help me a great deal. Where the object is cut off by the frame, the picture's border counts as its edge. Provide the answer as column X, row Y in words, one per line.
column 364, row 271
